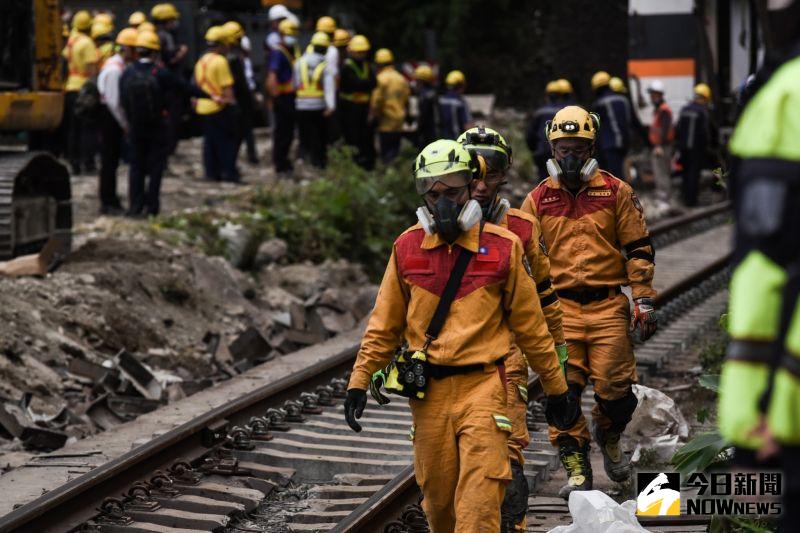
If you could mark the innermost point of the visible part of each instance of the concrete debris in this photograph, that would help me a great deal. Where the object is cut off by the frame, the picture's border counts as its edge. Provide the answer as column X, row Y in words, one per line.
column 139, row 376
column 269, row 252
column 250, row 345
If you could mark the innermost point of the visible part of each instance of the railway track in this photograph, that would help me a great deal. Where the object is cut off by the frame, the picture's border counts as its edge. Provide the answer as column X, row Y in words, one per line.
column 281, row 458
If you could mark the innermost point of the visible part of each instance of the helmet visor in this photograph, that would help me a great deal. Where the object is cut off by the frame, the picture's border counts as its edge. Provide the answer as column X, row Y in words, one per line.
column 424, row 183
column 496, row 158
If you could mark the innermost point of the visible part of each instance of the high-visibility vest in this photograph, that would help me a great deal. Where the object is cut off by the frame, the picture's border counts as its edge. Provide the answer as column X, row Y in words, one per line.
column 656, row 128
column 311, row 87
column 361, row 73
column 287, row 87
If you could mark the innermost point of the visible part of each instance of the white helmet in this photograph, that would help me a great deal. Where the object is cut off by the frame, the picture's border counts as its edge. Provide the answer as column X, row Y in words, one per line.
column 278, row 11
column 656, row 86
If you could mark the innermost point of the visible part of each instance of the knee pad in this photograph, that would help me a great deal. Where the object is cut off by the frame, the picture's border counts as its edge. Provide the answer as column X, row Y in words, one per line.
column 515, row 503
column 574, row 390
column 619, row 411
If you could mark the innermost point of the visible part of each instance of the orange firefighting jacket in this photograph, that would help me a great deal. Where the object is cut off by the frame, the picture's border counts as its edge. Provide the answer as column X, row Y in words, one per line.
column 587, row 234
column 527, row 228
column 497, row 297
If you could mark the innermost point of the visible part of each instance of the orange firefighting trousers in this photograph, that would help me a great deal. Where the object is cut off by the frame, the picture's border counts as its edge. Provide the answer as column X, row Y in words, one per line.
column 517, row 405
column 460, row 451
column 600, row 352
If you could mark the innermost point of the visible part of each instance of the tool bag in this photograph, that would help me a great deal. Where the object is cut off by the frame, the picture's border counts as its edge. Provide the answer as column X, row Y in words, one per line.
column 409, row 372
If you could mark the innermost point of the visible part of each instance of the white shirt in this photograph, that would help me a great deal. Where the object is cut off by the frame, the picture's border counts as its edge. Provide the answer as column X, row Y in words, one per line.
column 108, row 86
column 332, row 57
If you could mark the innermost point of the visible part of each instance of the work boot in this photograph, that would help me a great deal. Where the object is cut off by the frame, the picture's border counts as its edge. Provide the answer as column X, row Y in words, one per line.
column 615, row 461
column 515, row 503
column 579, row 469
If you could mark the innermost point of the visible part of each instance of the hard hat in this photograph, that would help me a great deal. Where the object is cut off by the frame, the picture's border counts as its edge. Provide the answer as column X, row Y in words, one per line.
column 656, row 86
column 288, row 27
column 233, row 32
column 146, row 26
column 163, row 12
column 148, row 39
column 617, row 85
column 127, row 37
column 100, row 28
column 104, row 18
column 572, row 122
column 601, row 78
column 490, row 145
column 326, row 24
column 136, row 18
column 341, row 37
column 423, row 73
column 444, row 160
column 277, row 12
column 551, row 87
column 701, row 89
column 564, row 86
column 215, row 34
column 384, row 56
column 320, row 38
column 455, row 77
column 358, row 43
column 82, row 20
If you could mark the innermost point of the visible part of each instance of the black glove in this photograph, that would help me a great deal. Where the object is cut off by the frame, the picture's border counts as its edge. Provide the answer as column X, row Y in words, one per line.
column 562, row 410
column 354, row 406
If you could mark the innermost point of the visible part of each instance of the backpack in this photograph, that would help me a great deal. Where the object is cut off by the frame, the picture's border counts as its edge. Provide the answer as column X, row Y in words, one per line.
column 140, row 95
column 87, row 103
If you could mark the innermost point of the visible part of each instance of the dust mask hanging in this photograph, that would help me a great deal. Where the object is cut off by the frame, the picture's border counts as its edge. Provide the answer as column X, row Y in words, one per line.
column 449, row 219
column 572, row 170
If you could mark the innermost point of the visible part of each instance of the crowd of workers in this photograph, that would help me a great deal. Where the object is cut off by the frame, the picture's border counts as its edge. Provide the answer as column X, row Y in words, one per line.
column 684, row 146
column 334, row 90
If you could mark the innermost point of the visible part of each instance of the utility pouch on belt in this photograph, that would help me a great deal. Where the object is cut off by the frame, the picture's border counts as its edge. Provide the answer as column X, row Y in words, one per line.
column 409, row 372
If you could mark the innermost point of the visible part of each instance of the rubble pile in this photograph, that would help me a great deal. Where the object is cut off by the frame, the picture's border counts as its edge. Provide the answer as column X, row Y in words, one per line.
column 126, row 325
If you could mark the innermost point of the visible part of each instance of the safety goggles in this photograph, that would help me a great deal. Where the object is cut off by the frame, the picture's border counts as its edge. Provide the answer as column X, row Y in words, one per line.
column 496, row 158
column 451, row 180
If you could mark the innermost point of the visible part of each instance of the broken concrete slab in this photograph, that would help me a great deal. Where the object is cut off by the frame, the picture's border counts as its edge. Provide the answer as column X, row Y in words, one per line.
column 250, row 344
column 139, row 375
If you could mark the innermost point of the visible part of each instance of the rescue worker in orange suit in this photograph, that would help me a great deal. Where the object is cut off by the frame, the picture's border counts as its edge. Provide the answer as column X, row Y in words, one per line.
column 534, row 134
column 280, row 70
column 355, row 87
column 81, row 56
column 315, row 81
column 460, row 428
column 497, row 153
column 388, row 104
column 661, row 135
column 594, row 228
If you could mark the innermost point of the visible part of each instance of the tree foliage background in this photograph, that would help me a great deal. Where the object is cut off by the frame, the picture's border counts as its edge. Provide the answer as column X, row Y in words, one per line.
column 508, row 47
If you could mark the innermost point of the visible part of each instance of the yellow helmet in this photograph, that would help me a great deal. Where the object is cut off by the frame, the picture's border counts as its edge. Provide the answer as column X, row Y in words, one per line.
column 358, row 43
column 146, row 26
column 163, row 12
column 341, row 37
column 601, row 78
column 82, row 20
column 136, row 18
column 444, row 160
column 100, row 28
column 572, row 121
column 216, row 35
column 127, row 37
column 288, row 27
column 326, row 24
column 148, row 39
column 233, row 32
column 423, row 73
column 104, row 18
column 617, row 85
column 551, row 87
column 701, row 89
column 320, row 38
column 384, row 56
column 564, row 86
column 455, row 77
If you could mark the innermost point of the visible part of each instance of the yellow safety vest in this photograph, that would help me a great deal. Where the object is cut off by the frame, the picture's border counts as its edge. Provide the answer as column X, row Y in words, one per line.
column 311, row 88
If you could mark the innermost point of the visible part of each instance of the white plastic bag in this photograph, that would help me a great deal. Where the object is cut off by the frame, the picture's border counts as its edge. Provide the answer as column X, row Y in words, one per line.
column 594, row 512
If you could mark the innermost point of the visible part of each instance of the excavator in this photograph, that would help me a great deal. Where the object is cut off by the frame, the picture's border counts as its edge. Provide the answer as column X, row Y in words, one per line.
column 35, row 195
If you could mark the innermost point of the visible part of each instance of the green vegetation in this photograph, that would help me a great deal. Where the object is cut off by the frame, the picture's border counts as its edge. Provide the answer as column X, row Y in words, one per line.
column 346, row 213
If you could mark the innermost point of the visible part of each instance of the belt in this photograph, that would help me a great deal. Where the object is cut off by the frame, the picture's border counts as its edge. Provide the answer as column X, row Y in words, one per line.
column 587, row 296
column 445, row 371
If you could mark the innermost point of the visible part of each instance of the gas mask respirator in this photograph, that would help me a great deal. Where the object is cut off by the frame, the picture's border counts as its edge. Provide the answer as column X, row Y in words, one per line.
column 572, row 171
column 448, row 218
